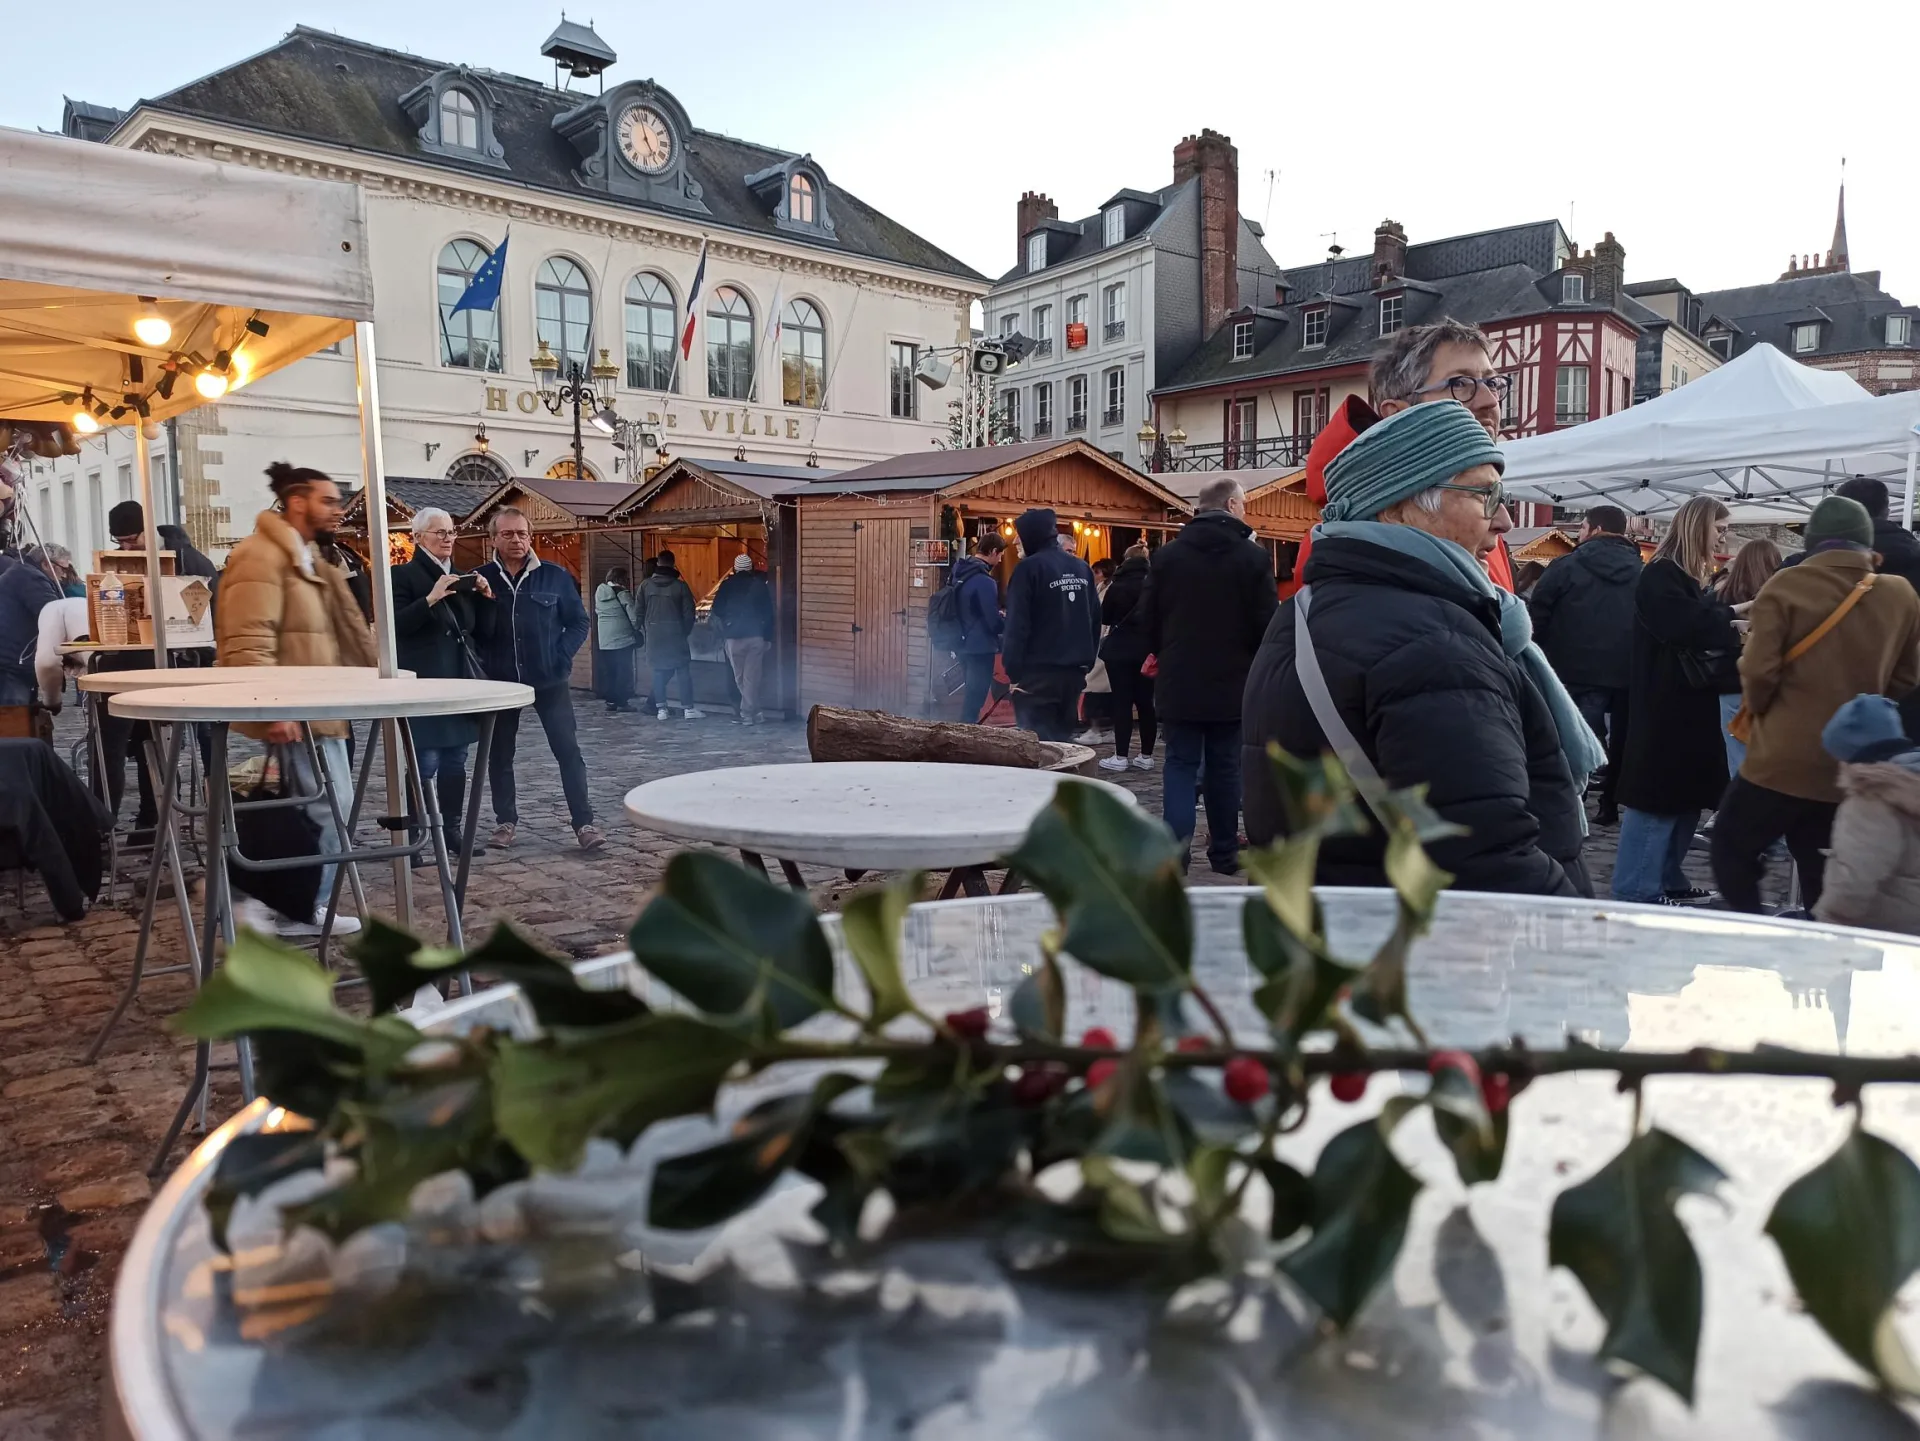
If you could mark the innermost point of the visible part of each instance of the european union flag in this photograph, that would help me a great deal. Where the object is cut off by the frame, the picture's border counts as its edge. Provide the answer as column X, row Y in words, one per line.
column 483, row 291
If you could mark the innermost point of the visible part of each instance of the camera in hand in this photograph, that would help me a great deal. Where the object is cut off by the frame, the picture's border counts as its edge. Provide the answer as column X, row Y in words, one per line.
column 468, row 584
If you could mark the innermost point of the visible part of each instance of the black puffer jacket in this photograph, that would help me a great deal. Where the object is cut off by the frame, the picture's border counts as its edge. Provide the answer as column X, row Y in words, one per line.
column 1053, row 610
column 1126, row 642
column 1207, row 605
column 1583, row 613
column 1413, row 662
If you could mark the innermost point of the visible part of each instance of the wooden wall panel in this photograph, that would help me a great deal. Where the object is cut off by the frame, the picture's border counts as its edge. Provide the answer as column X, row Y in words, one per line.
column 880, row 603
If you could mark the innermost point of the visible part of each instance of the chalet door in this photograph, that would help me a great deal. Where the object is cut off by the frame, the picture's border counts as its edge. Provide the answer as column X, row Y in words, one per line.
column 880, row 581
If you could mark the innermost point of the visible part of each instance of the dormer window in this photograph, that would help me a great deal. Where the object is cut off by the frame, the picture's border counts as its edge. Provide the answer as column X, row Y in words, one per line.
column 1243, row 340
column 1806, row 338
column 459, row 120
column 1573, row 288
column 1721, row 345
column 1391, row 311
column 796, row 193
column 1037, row 251
column 800, row 200
column 1313, row 328
column 1114, row 225
column 1899, row 330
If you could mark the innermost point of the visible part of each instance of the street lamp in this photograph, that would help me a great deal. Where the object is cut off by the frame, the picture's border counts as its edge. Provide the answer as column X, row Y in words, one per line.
column 586, row 401
column 1160, row 450
column 1149, row 439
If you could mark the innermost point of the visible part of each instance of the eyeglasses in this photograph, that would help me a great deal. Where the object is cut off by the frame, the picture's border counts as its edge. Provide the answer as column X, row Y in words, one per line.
column 1490, row 497
column 1463, row 388
column 437, row 531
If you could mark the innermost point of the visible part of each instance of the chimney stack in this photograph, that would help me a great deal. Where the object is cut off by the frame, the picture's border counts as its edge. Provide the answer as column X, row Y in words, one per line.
column 1609, row 271
column 1389, row 251
column 1035, row 211
column 1211, row 157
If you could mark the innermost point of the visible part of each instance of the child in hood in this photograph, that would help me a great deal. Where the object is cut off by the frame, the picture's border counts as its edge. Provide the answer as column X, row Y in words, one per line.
column 1873, row 871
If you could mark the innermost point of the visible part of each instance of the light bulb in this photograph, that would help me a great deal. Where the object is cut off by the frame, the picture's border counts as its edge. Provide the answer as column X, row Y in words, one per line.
column 242, row 368
column 153, row 328
column 86, row 422
column 211, row 383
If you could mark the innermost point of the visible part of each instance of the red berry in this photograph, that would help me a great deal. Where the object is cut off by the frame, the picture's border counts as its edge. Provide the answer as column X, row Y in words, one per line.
column 1348, row 1086
column 968, row 1025
column 1099, row 1038
column 1037, row 1084
column 1497, row 1091
column 1099, row 1073
column 1246, row 1080
column 1193, row 1043
column 1457, row 1061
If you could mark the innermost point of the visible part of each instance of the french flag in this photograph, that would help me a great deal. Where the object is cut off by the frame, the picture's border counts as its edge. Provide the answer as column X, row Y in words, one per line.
column 693, row 302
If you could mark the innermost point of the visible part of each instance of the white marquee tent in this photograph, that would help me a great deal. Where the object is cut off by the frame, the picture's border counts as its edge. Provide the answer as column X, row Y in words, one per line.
column 1763, row 433
column 249, row 271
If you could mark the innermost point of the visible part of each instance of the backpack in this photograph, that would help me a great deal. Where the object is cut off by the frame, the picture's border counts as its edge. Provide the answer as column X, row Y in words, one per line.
column 943, row 618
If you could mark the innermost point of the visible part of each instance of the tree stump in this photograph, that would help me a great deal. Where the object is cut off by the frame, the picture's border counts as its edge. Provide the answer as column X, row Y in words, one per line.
column 835, row 734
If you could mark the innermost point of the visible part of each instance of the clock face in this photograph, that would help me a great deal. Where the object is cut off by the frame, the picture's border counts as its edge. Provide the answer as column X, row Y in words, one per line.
column 645, row 139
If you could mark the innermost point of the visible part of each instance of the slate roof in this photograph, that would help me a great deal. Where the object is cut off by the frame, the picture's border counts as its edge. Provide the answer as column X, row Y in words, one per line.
column 1853, row 305
column 85, row 121
column 1086, row 237
column 325, row 88
column 1489, row 276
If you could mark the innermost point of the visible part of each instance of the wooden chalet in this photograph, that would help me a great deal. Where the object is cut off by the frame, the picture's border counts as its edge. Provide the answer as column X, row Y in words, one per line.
column 408, row 495
column 874, row 543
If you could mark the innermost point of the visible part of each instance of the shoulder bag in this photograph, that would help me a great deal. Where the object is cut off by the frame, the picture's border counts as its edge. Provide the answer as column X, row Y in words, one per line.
column 1741, row 726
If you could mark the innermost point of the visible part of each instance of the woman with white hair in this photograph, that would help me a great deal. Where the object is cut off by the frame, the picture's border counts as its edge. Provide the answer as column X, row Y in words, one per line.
column 438, row 622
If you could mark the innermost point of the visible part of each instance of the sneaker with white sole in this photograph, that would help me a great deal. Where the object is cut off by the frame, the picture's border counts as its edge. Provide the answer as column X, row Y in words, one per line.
column 1142, row 763
column 693, row 713
column 660, row 714
column 502, row 836
column 1113, row 763
column 590, row 837
column 342, row 925
column 249, row 914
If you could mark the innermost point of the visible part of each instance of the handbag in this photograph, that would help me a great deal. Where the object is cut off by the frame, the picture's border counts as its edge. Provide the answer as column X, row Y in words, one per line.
column 1714, row 670
column 1741, row 726
column 278, row 834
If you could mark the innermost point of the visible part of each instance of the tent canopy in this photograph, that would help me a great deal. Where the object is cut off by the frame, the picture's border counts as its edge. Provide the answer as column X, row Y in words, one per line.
column 87, row 230
column 1763, row 433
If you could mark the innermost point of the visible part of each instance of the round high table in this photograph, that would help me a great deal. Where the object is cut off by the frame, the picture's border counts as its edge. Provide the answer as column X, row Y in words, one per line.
column 163, row 761
column 1472, row 1334
column 260, row 697
column 858, row 816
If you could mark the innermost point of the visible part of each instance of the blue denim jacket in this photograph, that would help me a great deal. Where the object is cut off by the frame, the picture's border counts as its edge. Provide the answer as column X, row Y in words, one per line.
column 539, row 623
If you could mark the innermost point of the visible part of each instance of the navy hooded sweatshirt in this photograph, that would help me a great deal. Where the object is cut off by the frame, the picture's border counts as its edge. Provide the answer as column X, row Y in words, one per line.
column 1053, row 610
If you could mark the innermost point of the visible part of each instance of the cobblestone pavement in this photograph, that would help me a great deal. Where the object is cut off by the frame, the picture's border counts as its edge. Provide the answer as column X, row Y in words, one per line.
column 75, row 1139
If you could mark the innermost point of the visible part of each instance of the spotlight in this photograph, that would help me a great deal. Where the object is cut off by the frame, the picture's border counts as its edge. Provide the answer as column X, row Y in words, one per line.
column 604, row 420
column 256, row 325
column 151, row 327
column 165, row 388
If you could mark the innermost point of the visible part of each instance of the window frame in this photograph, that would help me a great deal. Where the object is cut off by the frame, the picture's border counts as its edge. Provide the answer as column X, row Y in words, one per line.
column 1573, row 288
column 1042, row 409
column 1077, row 309
column 1036, row 252
column 1315, row 319
column 1721, row 345
column 443, row 304
column 900, row 382
column 716, row 315
column 794, row 327
column 1811, row 330
column 542, row 285
column 800, row 187
column 1113, row 384
column 1079, row 401
column 464, row 120
column 1563, row 410
column 1240, row 430
column 1042, row 336
column 1010, row 411
column 652, row 305
column 1242, row 340
column 1399, row 313
column 1905, row 323
column 1113, row 310
column 1113, row 225
column 1009, row 323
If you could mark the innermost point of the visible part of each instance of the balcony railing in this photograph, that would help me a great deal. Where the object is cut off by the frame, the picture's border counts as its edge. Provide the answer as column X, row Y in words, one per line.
column 1278, row 451
column 1116, row 330
column 1042, row 428
column 1570, row 417
column 1043, row 347
column 1111, row 416
column 1077, row 420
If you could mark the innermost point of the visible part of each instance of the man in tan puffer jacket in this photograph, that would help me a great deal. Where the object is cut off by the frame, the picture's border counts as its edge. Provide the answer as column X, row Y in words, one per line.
column 1873, row 872
column 282, row 603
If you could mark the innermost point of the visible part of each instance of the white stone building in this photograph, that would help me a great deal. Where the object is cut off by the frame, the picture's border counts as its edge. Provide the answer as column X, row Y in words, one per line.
column 605, row 200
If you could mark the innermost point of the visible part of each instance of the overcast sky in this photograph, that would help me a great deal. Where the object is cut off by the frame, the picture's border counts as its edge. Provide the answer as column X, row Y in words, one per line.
column 1708, row 138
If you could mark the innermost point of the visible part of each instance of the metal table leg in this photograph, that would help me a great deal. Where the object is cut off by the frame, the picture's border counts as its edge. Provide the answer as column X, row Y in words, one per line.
column 426, row 803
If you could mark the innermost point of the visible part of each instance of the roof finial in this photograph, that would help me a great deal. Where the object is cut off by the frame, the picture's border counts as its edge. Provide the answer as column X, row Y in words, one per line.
column 1838, row 259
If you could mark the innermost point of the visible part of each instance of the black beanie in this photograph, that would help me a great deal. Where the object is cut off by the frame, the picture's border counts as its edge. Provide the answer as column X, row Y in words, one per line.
column 126, row 518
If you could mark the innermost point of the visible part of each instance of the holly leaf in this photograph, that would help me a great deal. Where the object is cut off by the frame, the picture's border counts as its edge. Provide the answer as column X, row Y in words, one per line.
column 1849, row 1231
column 1126, row 1212
column 553, row 1094
column 735, row 944
column 552, row 990
column 1477, row 1138
column 704, row 1188
column 1411, row 871
column 1284, row 870
column 395, row 962
column 1113, row 875
column 1304, row 979
column 1427, row 824
column 1039, row 1004
column 871, row 923
column 1362, row 1197
column 263, row 985
column 1317, row 795
column 1208, row 1111
column 1292, row 1198
column 1617, row 1233
column 1380, row 991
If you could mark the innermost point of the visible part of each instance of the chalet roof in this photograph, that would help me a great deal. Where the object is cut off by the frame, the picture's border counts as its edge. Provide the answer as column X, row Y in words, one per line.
column 924, row 471
column 764, row 482
column 328, row 89
column 582, row 499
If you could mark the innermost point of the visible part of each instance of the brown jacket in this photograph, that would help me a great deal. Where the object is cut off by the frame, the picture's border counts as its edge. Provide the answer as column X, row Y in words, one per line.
column 274, row 612
column 1874, row 650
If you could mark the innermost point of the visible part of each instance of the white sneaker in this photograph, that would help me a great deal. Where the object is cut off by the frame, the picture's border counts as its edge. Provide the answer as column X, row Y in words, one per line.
column 661, row 714
column 1113, row 763
column 249, row 914
column 1088, row 737
column 693, row 713
column 342, row 925
column 1142, row 763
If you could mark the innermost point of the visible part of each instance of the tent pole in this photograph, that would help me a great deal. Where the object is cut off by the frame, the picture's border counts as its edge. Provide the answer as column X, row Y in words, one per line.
column 1913, row 456
column 380, row 576
column 156, row 604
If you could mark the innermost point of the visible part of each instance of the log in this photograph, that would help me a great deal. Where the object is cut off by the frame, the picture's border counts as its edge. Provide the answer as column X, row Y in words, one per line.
column 836, row 734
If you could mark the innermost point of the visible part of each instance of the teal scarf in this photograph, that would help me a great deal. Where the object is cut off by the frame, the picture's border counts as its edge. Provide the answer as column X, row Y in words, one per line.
column 1578, row 743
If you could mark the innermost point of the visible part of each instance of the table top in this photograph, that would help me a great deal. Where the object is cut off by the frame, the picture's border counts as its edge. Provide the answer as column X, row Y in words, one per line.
column 87, row 647
column 113, row 682
column 872, row 815
column 357, row 697
column 1472, row 1334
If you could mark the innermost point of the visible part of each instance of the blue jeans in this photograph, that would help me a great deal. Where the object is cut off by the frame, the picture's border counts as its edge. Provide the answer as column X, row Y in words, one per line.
column 1203, row 759
column 16, row 689
column 978, row 671
column 663, row 677
column 1651, row 851
column 1736, row 750
column 333, row 755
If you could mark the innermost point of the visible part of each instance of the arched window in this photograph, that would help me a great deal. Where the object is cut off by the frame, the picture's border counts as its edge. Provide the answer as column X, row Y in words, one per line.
column 729, row 345
column 563, row 312
column 650, row 333
column 471, row 339
column 478, row 470
column 800, row 200
column 803, row 355
column 459, row 120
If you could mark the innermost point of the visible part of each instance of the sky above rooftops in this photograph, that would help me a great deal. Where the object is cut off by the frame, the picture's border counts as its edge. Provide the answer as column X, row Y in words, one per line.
column 1709, row 145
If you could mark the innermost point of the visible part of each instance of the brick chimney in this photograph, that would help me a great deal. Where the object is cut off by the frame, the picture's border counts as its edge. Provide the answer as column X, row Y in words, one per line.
column 1212, row 158
column 1609, row 271
column 1035, row 211
column 1389, row 251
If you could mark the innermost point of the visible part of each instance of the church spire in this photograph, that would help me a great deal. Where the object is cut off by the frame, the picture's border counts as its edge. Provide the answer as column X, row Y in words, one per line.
column 1837, row 257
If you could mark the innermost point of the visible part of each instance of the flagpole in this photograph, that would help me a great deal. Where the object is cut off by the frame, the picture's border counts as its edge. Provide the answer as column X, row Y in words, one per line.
column 684, row 342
